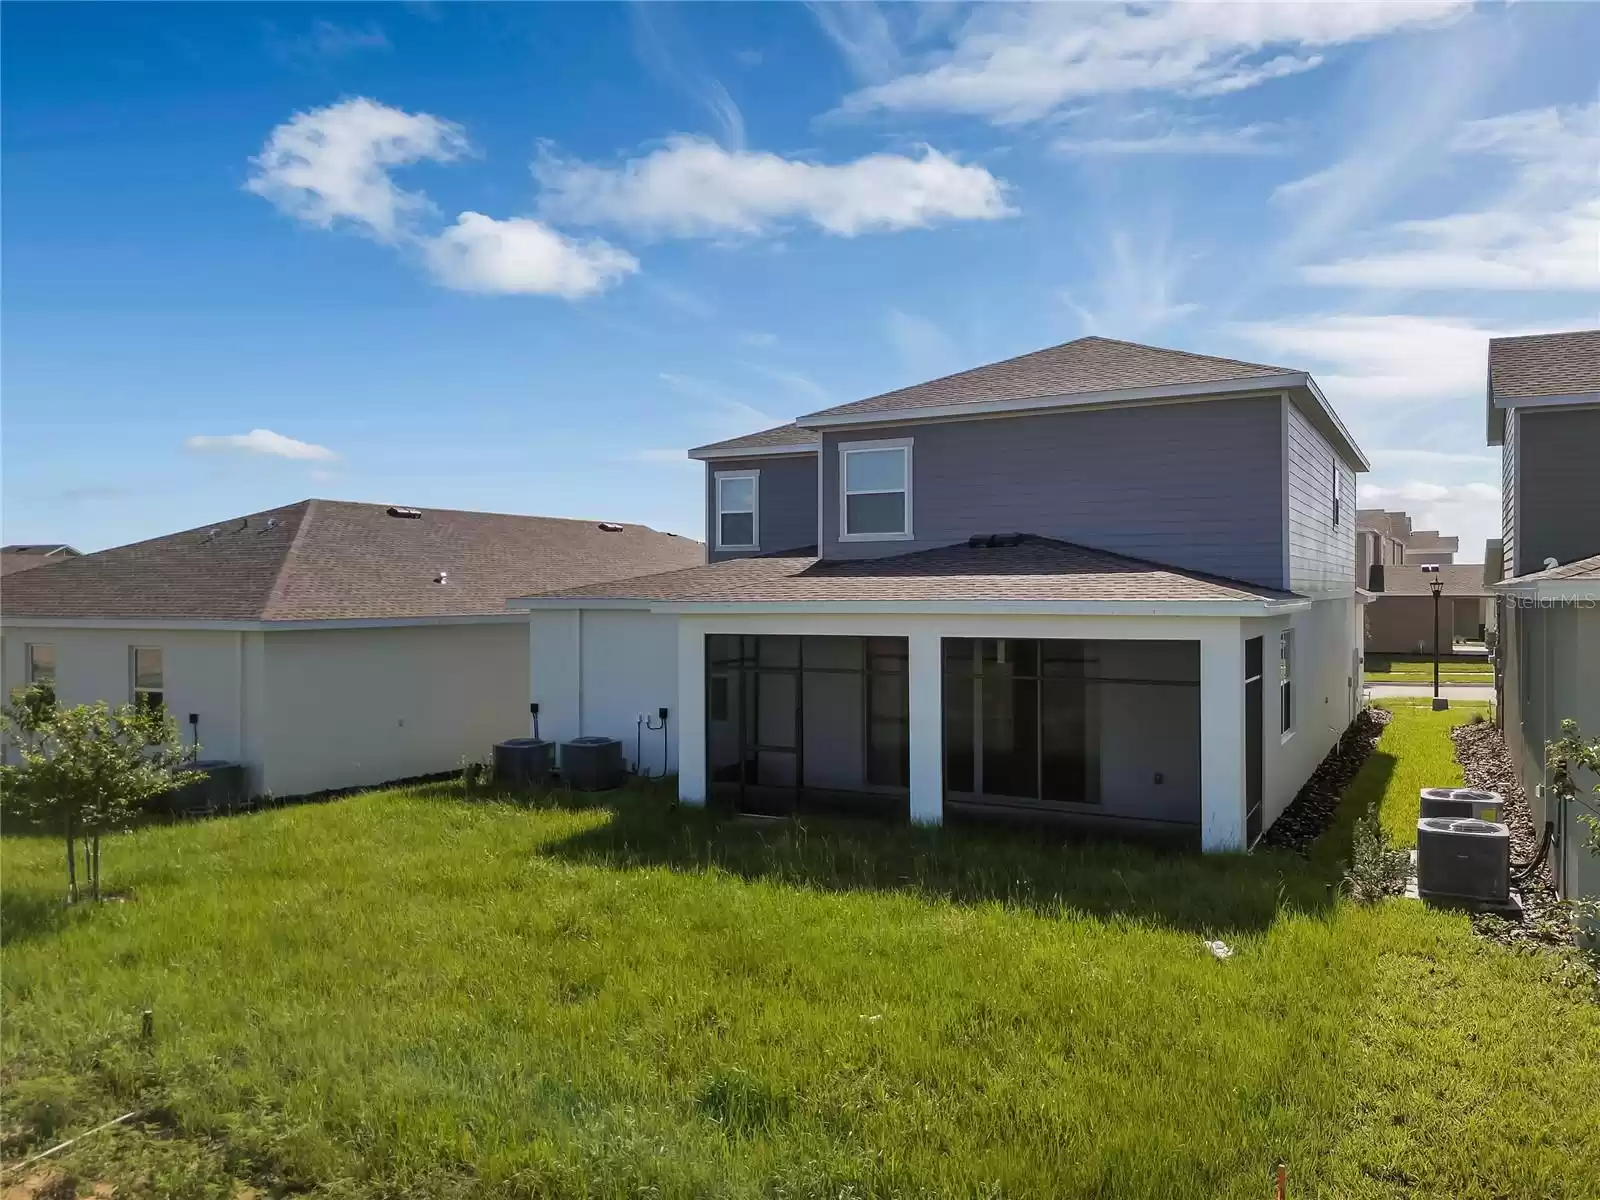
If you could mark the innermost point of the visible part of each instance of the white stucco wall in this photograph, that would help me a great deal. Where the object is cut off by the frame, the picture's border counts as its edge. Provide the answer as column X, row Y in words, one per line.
column 205, row 672
column 629, row 669
column 352, row 707
column 1324, row 659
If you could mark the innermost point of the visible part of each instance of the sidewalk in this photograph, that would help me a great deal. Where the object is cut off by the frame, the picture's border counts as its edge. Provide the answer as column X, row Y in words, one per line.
column 1421, row 691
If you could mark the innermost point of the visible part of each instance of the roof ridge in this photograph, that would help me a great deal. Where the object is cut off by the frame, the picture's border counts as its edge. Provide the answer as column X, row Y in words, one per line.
column 290, row 556
column 1095, row 337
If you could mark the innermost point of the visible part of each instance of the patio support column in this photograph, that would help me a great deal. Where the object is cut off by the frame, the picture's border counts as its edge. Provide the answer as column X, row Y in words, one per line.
column 926, row 732
column 1222, row 785
column 691, row 715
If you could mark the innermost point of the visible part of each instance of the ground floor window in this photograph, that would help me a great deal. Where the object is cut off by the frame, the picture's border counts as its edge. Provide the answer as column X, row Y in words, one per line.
column 149, row 677
column 796, row 721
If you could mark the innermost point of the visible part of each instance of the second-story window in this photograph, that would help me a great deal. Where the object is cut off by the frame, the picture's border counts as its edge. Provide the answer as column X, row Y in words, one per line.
column 1336, row 491
column 737, row 501
column 875, row 490
column 42, row 665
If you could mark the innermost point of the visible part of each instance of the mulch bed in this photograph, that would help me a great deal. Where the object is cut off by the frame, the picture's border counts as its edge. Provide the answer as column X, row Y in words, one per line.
column 1312, row 811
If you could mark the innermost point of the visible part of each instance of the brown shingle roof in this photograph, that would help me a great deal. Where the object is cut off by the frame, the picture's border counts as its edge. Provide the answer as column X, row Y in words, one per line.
column 1547, row 364
column 1460, row 579
column 1089, row 364
column 337, row 560
column 1583, row 568
column 781, row 435
column 17, row 561
column 1031, row 569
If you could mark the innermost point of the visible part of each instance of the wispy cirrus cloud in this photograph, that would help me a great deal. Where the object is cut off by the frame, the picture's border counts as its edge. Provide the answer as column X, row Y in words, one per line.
column 1181, row 140
column 1539, row 234
column 261, row 441
column 1018, row 63
column 331, row 167
column 692, row 187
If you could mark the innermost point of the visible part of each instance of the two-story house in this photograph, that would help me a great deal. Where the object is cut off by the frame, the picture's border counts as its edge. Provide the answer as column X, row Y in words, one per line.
column 1104, row 581
column 1544, row 414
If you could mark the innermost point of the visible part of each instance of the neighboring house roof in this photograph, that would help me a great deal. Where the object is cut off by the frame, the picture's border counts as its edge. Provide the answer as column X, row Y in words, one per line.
column 21, row 557
column 336, row 560
column 1460, row 579
column 782, row 439
column 1583, row 568
column 1089, row 364
column 1396, row 525
column 1431, row 539
column 1546, row 368
column 1027, row 569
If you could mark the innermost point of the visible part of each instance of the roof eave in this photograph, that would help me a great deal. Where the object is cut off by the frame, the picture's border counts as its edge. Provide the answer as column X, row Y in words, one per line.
column 1242, row 607
column 711, row 453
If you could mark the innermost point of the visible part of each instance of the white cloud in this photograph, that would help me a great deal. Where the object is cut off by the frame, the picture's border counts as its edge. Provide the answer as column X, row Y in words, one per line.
column 332, row 164
column 692, row 187
column 1247, row 139
column 1470, row 511
column 261, row 441
column 1542, row 232
column 326, row 41
column 863, row 35
column 523, row 256
column 1436, row 458
column 1019, row 63
column 1387, row 358
column 759, row 338
column 1134, row 290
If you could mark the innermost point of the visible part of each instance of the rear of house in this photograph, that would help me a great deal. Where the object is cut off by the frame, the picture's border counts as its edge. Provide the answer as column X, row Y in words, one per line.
column 1104, row 583
column 1544, row 412
column 323, row 644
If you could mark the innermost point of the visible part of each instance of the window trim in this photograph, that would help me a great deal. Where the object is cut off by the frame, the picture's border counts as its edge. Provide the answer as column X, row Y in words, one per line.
column 845, row 449
column 134, row 690
column 28, row 663
column 1286, row 680
column 754, row 475
column 1338, row 490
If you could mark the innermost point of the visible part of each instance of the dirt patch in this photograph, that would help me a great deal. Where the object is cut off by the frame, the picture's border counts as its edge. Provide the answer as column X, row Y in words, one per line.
column 51, row 1184
column 1316, row 804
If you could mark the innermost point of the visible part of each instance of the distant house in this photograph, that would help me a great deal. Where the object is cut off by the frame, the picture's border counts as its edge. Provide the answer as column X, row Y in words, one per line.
column 1399, row 619
column 325, row 644
column 1544, row 413
column 1104, row 583
column 26, row 557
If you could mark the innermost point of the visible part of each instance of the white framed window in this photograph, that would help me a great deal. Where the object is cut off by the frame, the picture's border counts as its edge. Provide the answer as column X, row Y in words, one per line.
column 149, row 676
column 1336, row 491
column 875, row 490
column 1286, row 682
column 42, row 663
column 738, row 510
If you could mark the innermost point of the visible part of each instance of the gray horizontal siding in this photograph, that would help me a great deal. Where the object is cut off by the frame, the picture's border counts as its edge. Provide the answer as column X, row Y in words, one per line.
column 1322, row 554
column 1192, row 485
column 1508, row 494
column 1558, row 481
column 786, row 503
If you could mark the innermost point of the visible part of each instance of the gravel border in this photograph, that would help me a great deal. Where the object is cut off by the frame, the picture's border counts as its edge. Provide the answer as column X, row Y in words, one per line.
column 1312, row 811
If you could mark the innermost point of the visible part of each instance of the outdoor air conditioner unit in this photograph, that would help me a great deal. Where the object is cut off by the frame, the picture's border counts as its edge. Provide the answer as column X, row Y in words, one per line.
column 1462, row 802
column 1460, row 859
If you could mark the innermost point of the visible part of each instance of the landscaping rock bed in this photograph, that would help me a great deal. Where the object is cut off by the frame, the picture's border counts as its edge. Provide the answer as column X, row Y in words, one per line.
column 1312, row 810
column 1485, row 763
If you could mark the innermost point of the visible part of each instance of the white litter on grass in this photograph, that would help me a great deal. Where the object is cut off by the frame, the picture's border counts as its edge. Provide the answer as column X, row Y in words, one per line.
column 1220, row 949
column 873, row 1017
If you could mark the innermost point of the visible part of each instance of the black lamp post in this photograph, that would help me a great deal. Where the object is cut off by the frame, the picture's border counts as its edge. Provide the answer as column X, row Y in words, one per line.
column 1436, row 586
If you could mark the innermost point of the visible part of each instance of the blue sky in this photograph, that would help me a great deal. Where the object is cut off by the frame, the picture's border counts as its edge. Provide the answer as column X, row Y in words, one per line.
column 516, row 258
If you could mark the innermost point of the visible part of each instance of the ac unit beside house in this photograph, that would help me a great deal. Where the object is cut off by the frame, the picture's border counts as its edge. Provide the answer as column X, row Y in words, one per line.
column 1460, row 859
column 592, row 764
column 1462, row 802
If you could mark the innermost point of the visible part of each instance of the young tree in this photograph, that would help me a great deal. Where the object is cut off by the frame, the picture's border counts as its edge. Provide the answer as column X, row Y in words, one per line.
column 85, row 770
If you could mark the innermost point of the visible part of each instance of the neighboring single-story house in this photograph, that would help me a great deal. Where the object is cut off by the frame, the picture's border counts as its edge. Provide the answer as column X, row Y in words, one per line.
column 1399, row 617
column 34, row 554
column 325, row 644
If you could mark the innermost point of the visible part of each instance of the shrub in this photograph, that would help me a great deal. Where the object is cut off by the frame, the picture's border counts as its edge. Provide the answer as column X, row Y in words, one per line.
column 1376, row 868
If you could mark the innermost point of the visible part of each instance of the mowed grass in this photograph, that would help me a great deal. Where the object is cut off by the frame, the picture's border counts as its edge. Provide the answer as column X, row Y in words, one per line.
column 1382, row 668
column 406, row 994
column 1414, row 753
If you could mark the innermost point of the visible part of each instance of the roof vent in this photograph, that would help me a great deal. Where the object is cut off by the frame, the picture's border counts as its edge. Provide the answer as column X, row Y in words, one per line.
column 441, row 577
column 610, row 527
column 1550, row 564
column 272, row 523
column 211, row 536
column 409, row 514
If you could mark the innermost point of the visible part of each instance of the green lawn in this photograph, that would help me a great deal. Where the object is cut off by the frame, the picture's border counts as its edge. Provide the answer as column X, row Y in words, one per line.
column 1383, row 668
column 406, row 995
